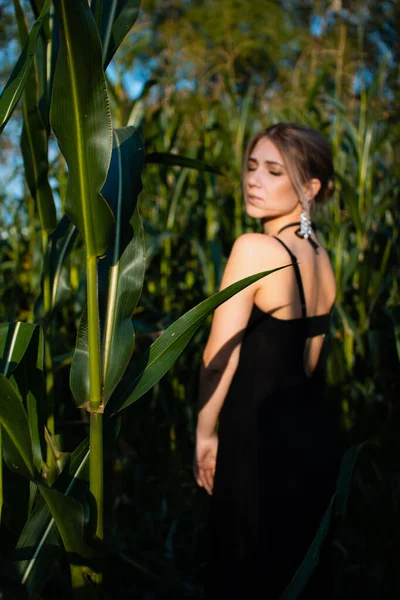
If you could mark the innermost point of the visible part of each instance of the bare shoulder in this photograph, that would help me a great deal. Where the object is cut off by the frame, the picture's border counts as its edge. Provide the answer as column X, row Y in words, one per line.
column 260, row 248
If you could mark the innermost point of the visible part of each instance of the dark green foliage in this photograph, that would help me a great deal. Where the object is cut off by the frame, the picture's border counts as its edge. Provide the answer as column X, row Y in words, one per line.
column 216, row 72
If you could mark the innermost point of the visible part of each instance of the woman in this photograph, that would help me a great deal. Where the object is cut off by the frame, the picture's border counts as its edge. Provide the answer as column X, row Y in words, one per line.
column 272, row 465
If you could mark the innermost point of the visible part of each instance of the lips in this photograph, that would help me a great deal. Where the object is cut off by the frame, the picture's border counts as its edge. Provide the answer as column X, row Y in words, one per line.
column 254, row 199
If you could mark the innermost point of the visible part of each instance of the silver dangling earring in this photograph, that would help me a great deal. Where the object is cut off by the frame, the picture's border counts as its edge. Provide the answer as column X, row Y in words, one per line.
column 305, row 221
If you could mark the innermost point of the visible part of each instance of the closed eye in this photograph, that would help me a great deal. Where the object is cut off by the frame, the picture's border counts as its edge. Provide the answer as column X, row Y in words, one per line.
column 252, row 164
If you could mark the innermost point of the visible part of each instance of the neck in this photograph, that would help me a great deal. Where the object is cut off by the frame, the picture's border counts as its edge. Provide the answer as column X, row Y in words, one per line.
column 273, row 226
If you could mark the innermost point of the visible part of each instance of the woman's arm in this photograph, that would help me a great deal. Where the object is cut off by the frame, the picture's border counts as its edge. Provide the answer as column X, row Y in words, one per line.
column 221, row 354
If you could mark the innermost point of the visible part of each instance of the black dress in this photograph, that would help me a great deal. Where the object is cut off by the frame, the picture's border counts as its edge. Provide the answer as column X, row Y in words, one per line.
column 277, row 459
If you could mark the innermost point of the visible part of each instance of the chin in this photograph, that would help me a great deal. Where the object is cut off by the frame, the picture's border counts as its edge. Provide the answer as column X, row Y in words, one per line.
column 254, row 211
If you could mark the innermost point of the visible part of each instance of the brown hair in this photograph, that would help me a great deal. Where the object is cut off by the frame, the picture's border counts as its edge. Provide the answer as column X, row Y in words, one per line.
column 306, row 155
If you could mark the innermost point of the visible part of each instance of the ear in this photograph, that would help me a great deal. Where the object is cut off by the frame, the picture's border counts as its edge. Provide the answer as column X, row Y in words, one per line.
column 312, row 188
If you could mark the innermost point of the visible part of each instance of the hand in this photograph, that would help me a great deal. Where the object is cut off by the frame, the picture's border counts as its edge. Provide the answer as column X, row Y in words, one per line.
column 205, row 461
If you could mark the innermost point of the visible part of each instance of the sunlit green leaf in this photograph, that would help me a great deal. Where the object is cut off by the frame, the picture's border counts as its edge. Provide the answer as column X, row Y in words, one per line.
column 34, row 140
column 14, row 341
column 121, row 271
column 80, row 117
column 16, row 82
column 148, row 369
column 114, row 18
column 175, row 160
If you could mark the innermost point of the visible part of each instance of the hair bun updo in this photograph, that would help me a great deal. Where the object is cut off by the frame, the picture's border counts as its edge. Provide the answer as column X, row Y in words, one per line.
column 326, row 191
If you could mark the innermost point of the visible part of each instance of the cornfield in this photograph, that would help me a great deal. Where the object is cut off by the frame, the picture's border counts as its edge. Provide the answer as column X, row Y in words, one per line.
column 110, row 267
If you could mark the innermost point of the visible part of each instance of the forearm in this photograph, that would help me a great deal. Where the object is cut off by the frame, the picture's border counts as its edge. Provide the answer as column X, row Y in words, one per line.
column 213, row 388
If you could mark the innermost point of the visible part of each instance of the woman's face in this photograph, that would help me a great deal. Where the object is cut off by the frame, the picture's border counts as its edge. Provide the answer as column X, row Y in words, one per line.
column 268, row 190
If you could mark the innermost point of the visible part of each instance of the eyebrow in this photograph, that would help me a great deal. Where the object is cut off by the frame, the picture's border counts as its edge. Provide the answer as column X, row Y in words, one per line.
column 268, row 162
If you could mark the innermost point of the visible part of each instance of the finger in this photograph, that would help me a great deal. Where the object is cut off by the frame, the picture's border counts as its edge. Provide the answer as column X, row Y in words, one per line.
column 203, row 480
column 209, row 477
column 198, row 474
column 208, row 481
column 198, row 479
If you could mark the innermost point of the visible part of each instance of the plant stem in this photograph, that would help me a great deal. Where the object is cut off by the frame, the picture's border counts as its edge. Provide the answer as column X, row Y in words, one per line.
column 93, row 334
column 96, row 468
column 96, row 418
column 48, row 360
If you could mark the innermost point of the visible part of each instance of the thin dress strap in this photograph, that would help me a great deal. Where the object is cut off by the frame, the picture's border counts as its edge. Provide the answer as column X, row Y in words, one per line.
column 298, row 278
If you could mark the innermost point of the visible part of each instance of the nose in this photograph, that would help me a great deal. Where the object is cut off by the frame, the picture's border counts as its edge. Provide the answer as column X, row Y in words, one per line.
column 253, row 179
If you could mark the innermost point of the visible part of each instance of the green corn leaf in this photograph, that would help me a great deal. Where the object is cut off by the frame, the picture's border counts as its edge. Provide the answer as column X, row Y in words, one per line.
column 16, row 464
column 349, row 128
column 121, row 271
column 16, row 82
column 349, row 264
column 350, row 198
column 37, row 550
column 14, row 421
column 21, row 356
column 34, row 140
column 347, row 465
column 14, row 341
column 175, row 160
column 46, row 51
column 29, row 378
column 337, row 507
column 21, row 360
column 394, row 315
column 311, row 560
column 378, row 285
column 242, row 123
column 60, row 244
column 114, row 19
column 38, row 546
column 176, row 196
column 350, row 326
column 138, row 106
column 81, row 120
column 68, row 516
column 147, row 370
column 37, row 7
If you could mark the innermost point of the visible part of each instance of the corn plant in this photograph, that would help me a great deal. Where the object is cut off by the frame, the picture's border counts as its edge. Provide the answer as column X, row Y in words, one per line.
column 104, row 181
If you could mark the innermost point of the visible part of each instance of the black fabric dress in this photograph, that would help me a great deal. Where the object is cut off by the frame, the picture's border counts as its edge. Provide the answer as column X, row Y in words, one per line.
column 277, row 461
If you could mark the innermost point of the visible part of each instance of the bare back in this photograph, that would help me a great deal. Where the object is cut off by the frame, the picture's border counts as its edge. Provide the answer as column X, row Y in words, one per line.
column 280, row 295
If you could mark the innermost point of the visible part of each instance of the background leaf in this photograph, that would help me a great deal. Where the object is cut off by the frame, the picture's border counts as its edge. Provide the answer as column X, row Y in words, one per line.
column 16, row 82
column 14, row 421
column 68, row 516
column 175, row 160
column 38, row 546
column 114, row 19
column 60, row 245
column 34, row 140
column 14, row 341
